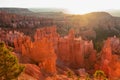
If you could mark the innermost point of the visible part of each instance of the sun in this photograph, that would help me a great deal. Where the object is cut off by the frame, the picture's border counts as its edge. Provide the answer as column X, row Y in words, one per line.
column 78, row 11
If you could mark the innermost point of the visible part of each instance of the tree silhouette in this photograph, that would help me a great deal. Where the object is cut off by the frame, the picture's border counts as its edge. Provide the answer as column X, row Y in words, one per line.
column 9, row 66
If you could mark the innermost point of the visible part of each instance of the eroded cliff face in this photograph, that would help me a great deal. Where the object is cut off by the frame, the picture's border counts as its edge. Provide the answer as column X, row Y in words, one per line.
column 72, row 52
column 110, row 62
column 41, row 52
column 31, row 72
column 76, row 51
column 115, row 45
column 9, row 36
column 49, row 49
column 106, row 57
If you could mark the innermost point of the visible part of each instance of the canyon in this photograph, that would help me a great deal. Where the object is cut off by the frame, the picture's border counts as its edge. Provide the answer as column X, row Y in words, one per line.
column 54, row 54
column 67, row 47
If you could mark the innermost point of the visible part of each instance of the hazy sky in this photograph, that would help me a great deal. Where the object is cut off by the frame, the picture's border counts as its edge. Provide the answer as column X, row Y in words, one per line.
column 74, row 6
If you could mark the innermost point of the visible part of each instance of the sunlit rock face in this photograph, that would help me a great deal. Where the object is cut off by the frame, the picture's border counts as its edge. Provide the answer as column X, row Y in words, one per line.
column 115, row 45
column 107, row 51
column 31, row 72
column 72, row 52
column 115, row 68
column 76, row 52
column 42, row 52
column 48, row 32
column 20, row 42
column 110, row 62
column 106, row 57
column 49, row 49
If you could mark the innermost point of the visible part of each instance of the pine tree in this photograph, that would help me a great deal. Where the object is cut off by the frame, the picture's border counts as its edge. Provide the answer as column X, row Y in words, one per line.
column 100, row 75
column 9, row 66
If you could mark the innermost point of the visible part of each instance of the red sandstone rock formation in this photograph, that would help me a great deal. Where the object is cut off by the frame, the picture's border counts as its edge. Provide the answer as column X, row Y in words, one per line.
column 9, row 36
column 41, row 51
column 21, row 42
column 75, row 51
column 115, row 44
column 16, row 21
column 115, row 68
column 31, row 72
column 2, row 35
column 49, row 32
column 72, row 52
column 110, row 63
column 34, row 71
column 107, row 51
column 106, row 57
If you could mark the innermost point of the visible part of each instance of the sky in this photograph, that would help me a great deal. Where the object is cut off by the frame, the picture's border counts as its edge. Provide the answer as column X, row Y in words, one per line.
column 73, row 6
